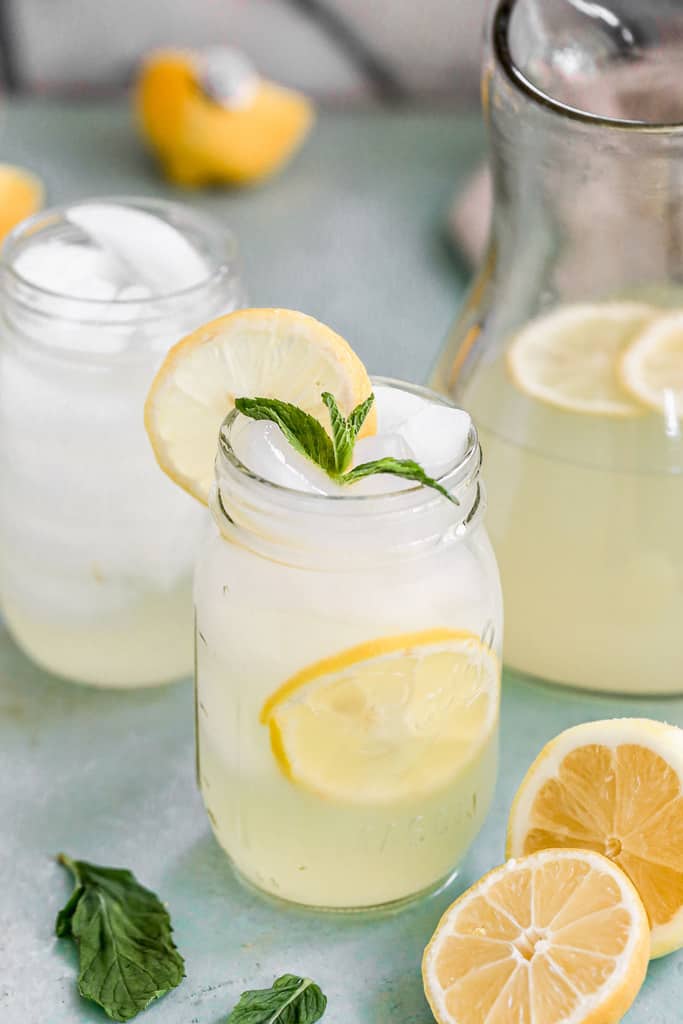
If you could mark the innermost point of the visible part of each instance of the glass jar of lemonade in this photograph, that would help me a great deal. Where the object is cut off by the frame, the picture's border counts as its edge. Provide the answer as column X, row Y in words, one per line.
column 569, row 352
column 347, row 674
column 96, row 545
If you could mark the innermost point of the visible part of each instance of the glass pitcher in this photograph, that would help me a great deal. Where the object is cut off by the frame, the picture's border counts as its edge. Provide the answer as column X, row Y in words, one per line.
column 569, row 350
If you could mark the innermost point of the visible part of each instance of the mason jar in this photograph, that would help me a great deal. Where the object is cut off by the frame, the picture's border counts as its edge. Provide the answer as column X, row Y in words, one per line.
column 96, row 544
column 347, row 681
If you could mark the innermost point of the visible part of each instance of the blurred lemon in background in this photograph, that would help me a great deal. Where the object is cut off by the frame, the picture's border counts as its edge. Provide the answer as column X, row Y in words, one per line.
column 210, row 117
column 21, row 194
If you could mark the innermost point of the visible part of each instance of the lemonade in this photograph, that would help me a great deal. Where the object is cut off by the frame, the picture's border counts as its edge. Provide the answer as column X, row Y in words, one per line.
column 347, row 635
column 586, row 489
column 96, row 546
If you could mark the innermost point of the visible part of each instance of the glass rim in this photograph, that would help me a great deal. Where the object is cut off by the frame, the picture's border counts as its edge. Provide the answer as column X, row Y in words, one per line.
column 469, row 464
column 500, row 25
column 229, row 267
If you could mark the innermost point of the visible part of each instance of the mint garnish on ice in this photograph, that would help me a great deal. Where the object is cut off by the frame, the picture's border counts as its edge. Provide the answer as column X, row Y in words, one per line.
column 333, row 453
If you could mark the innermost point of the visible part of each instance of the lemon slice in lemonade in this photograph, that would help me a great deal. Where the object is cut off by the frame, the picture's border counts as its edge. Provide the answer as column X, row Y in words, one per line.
column 614, row 786
column 559, row 937
column 569, row 358
column 393, row 718
column 651, row 369
column 264, row 353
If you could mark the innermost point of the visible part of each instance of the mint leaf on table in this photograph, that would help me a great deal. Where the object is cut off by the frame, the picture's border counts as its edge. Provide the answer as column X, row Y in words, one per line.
column 123, row 932
column 304, row 433
column 290, row 1000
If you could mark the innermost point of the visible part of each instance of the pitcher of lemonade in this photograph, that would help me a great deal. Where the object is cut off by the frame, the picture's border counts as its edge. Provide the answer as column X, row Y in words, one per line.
column 569, row 351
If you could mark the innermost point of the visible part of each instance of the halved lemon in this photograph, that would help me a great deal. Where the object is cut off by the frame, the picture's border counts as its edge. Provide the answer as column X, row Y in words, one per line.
column 389, row 719
column 559, row 937
column 264, row 353
column 651, row 368
column 569, row 358
column 21, row 194
column 614, row 786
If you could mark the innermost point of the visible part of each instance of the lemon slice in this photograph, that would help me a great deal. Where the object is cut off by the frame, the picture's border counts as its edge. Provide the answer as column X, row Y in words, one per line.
column 559, row 937
column 392, row 718
column 264, row 353
column 616, row 787
column 569, row 358
column 21, row 194
column 651, row 369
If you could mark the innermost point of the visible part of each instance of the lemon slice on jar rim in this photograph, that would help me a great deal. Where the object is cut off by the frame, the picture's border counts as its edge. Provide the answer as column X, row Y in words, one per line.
column 265, row 353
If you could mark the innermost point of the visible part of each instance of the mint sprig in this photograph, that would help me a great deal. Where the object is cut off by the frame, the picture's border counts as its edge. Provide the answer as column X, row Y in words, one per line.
column 406, row 468
column 334, row 453
column 345, row 431
column 303, row 431
column 123, row 932
column 290, row 1000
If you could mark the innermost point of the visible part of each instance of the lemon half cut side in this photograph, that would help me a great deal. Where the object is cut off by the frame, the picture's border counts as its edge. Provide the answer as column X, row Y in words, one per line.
column 616, row 787
column 557, row 937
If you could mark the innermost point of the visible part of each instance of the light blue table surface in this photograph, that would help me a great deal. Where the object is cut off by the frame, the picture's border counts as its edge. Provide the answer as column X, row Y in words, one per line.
column 352, row 232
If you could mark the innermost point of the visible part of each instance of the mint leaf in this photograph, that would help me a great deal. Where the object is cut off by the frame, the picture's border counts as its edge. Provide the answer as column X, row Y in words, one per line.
column 123, row 932
column 359, row 416
column 406, row 468
column 303, row 431
column 291, row 1000
column 342, row 439
column 333, row 454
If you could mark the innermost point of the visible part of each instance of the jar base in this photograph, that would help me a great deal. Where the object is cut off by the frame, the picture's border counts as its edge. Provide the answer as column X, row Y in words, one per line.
column 388, row 907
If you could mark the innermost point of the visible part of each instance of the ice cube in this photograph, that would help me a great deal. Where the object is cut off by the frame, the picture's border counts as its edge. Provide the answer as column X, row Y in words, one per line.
column 146, row 249
column 381, row 446
column 394, row 407
column 134, row 293
column 78, row 271
column 378, row 483
column 263, row 448
column 437, row 434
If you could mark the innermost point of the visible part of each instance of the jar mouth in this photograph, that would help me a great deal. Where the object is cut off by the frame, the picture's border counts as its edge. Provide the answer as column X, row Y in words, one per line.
column 500, row 31
column 463, row 470
column 224, row 259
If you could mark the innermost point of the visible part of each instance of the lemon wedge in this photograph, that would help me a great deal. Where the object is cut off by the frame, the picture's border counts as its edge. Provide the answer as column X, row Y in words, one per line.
column 393, row 718
column 21, row 194
column 265, row 353
column 201, row 140
column 558, row 937
column 651, row 368
column 569, row 358
column 616, row 787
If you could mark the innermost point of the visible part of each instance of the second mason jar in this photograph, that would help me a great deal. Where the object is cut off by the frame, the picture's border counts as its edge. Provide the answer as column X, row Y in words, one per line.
column 347, row 682
column 96, row 545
